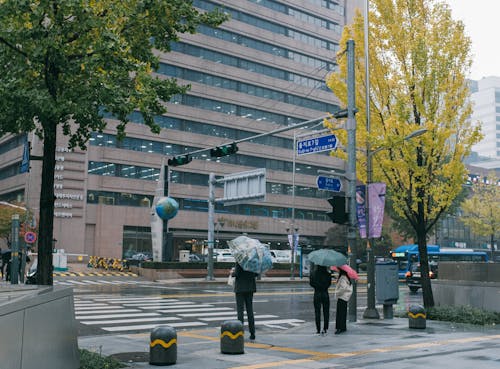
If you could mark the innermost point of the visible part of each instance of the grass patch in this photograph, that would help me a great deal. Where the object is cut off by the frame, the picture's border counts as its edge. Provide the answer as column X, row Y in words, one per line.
column 93, row 360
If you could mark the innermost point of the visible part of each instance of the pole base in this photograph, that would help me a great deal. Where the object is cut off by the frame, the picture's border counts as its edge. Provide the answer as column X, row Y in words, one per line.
column 371, row 314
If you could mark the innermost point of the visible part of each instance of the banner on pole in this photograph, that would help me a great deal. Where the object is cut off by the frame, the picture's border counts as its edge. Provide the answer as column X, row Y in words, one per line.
column 376, row 203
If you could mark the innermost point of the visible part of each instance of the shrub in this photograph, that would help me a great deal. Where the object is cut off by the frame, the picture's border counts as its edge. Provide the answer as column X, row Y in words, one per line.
column 93, row 360
column 463, row 314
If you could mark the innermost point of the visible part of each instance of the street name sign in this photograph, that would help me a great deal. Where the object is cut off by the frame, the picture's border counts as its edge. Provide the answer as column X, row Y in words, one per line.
column 316, row 144
column 329, row 184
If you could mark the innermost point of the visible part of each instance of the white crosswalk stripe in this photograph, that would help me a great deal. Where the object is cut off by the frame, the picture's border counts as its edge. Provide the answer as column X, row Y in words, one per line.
column 127, row 313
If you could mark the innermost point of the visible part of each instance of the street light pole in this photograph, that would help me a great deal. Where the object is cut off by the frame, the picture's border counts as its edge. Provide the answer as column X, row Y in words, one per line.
column 351, row 170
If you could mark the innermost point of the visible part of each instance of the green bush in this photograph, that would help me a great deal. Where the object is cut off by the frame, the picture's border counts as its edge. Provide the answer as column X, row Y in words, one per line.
column 460, row 314
column 92, row 360
column 463, row 314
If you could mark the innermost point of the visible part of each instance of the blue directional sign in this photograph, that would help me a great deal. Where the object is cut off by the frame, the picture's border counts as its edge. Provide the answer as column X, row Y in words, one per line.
column 329, row 184
column 316, row 144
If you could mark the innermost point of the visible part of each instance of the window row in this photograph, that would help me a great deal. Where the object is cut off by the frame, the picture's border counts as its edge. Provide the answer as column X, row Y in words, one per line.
column 123, row 170
column 10, row 170
column 269, row 26
column 233, row 109
column 173, row 149
column 142, row 200
column 329, row 4
column 250, row 66
column 118, row 198
column 266, row 47
column 12, row 143
column 243, row 87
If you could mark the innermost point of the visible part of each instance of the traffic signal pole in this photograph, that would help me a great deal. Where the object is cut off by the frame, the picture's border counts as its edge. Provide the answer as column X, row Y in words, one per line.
column 351, row 173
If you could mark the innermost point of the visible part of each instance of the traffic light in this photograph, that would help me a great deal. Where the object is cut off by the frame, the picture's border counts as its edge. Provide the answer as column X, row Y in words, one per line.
column 220, row 151
column 338, row 213
column 179, row 160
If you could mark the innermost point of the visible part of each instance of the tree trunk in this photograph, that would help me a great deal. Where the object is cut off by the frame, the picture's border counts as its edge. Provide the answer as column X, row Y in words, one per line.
column 428, row 297
column 46, row 228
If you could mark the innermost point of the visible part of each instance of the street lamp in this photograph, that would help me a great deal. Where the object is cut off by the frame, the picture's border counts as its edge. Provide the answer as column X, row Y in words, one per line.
column 370, row 311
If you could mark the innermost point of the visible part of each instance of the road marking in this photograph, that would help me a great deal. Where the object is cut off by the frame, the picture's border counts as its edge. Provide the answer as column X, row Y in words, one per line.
column 116, row 316
column 97, row 311
column 150, row 326
column 137, row 320
column 234, row 317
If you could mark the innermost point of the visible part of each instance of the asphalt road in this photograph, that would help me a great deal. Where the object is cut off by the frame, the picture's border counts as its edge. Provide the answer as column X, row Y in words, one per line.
column 123, row 304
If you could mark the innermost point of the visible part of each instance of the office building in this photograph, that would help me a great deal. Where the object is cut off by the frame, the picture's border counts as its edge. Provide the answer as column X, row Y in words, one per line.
column 262, row 70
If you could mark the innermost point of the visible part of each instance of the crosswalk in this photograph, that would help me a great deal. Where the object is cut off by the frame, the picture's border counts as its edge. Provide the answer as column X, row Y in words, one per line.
column 125, row 314
column 99, row 282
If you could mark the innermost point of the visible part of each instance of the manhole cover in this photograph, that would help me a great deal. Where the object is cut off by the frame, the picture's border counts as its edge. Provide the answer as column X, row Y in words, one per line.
column 131, row 357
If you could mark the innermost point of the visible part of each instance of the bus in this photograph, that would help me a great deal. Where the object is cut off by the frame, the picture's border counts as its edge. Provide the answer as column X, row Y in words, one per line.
column 406, row 255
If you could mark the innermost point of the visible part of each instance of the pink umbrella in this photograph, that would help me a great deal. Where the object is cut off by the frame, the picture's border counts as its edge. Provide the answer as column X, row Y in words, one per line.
column 351, row 273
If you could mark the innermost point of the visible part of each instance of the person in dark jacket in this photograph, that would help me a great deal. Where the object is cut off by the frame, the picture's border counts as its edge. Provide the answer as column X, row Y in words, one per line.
column 244, row 288
column 320, row 279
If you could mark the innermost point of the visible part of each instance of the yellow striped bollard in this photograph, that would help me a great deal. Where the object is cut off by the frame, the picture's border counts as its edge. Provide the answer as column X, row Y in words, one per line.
column 163, row 345
column 417, row 317
column 231, row 337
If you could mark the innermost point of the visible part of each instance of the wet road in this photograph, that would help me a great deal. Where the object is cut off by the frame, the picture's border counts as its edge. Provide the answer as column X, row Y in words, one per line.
column 131, row 304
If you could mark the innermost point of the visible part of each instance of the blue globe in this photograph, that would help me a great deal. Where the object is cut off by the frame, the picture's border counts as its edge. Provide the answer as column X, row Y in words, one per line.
column 167, row 208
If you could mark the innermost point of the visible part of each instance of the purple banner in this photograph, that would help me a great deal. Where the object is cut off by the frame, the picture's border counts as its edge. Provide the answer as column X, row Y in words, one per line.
column 360, row 209
column 376, row 203
column 376, row 193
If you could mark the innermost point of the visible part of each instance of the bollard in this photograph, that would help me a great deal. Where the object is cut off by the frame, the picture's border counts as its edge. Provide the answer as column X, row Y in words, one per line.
column 231, row 337
column 417, row 317
column 163, row 346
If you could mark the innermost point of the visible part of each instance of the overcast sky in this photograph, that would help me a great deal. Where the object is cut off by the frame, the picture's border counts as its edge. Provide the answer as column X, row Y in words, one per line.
column 482, row 25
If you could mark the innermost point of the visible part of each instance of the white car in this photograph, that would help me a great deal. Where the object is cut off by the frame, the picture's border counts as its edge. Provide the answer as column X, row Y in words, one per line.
column 225, row 257
column 280, row 256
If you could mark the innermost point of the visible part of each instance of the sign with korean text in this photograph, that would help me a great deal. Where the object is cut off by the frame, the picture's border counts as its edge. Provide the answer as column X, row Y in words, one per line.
column 316, row 144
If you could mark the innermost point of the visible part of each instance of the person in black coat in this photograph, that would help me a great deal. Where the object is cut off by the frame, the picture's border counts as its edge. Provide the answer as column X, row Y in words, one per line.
column 244, row 288
column 320, row 279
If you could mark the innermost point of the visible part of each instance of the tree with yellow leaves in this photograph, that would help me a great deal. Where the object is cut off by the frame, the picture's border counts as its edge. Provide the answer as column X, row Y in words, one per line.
column 419, row 60
column 481, row 210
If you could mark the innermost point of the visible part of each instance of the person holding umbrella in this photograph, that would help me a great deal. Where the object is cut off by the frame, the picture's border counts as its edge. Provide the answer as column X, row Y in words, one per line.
column 321, row 279
column 252, row 258
column 244, row 288
column 343, row 292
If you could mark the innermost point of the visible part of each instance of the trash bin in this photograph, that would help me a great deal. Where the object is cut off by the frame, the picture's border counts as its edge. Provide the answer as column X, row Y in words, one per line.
column 231, row 337
column 417, row 317
column 163, row 345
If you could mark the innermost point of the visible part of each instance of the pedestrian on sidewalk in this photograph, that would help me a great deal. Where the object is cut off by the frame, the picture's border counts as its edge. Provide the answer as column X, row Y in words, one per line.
column 244, row 288
column 343, row 292
column 320, row 279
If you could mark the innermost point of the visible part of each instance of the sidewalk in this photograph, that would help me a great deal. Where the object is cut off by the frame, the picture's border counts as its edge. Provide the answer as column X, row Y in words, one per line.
column 367, row 344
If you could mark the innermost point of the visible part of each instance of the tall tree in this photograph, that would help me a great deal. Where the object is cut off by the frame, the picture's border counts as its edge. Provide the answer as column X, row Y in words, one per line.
column 419, row 60
column 67, row 63
column 481, row 210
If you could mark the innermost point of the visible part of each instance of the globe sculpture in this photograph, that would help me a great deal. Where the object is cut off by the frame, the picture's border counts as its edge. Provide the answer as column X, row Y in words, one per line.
column 167, row 208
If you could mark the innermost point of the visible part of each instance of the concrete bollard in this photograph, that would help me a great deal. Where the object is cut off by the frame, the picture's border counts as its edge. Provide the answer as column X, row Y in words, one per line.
column 417, row 317
column 163, row 346
column 231, row 337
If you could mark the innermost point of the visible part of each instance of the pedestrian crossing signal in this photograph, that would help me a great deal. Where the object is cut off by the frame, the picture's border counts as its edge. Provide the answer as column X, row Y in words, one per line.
column 338, row 214
column 179, row 160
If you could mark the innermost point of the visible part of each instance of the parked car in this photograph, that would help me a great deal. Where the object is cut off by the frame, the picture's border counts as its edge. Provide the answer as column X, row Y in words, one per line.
column 225, row 256
column 194, row 258
column 280, row 256
column 142, row 256
column 413, row 276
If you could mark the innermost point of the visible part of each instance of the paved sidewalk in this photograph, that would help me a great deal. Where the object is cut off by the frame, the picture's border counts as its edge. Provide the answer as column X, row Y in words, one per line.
column 388, row 344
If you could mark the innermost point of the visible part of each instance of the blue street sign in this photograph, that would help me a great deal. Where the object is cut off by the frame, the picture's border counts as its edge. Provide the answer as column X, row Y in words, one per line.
column 25, row 164
column 329, row 184
column 316, row 144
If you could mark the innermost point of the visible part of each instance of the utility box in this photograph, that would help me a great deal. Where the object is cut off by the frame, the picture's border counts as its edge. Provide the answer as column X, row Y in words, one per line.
column 387, row 286
column 184, row 256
